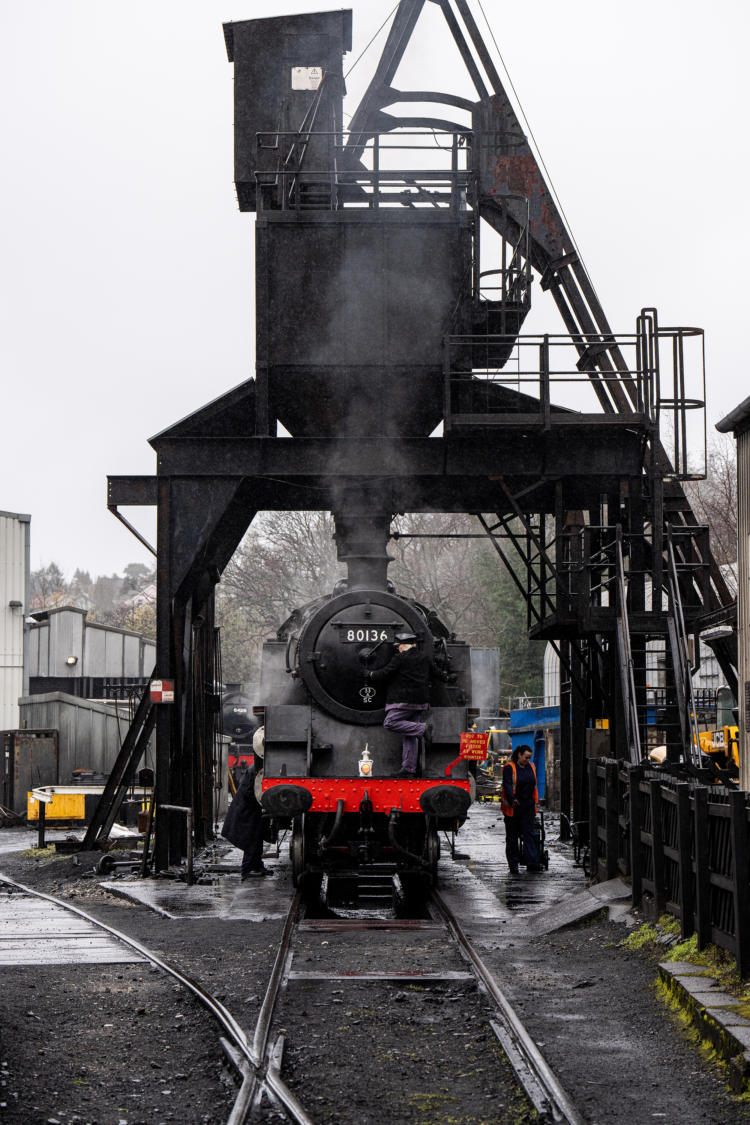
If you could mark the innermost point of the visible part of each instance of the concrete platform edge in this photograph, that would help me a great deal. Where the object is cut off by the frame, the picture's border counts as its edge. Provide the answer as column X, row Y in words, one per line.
column 716, row 1021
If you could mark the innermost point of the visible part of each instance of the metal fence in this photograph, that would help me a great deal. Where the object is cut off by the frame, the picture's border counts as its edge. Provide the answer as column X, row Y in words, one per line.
column 684, row 844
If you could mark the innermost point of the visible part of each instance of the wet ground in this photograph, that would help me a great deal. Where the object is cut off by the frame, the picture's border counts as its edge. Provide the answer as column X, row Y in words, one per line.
column 477, row 882
column 590, row 1004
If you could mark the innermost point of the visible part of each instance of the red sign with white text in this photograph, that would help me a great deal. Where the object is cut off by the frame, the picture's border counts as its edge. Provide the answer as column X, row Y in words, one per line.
column 474, row 746
column 162, row 691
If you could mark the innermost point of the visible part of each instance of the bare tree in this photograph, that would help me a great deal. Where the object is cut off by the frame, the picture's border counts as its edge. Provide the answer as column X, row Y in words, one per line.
column 288, row 559
column 441, row 572
column 48, row 587
column 285, row 560
column 714, row 502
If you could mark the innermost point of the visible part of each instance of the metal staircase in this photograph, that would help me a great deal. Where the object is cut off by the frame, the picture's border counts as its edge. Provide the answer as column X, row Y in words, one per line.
column 122, row 775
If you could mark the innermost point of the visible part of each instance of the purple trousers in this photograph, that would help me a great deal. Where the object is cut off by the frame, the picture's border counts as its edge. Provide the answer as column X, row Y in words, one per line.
column 403, row 717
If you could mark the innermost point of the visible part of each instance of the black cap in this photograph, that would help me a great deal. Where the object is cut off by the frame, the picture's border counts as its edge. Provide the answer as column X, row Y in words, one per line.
column 405, row 638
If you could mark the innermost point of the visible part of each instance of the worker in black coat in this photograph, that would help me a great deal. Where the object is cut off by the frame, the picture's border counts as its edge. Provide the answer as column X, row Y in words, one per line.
column 407, row 676
column 243, row 825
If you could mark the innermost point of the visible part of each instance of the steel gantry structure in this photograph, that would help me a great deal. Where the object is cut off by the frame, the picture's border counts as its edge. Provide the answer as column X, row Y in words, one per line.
column 376, row 324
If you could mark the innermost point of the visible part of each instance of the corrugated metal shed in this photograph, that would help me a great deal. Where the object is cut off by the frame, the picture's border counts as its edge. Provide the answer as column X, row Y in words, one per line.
column 14, row 606
column 90, row 734
column 97, row 650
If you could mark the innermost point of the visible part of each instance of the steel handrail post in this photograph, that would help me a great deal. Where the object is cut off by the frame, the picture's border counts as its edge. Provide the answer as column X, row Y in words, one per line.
column 544, row 382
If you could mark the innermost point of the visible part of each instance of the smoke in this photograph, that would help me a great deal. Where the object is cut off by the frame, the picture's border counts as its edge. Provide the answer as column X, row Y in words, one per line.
column 485, row 680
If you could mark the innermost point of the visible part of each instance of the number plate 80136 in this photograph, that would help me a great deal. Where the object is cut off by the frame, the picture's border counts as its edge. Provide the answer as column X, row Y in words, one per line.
column 365, row 634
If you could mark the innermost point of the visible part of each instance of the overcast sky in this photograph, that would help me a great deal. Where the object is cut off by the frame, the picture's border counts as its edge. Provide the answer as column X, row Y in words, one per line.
column 126, row 269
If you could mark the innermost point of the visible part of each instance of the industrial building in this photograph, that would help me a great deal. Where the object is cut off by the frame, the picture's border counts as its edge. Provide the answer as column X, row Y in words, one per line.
column 14, row 603
column 738, row 423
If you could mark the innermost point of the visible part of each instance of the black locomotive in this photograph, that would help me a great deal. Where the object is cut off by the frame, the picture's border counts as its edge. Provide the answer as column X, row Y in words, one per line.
column 240, row 724
column 330, row 768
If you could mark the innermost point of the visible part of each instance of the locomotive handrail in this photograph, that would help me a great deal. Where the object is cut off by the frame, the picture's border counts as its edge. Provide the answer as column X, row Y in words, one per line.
column 289, row 668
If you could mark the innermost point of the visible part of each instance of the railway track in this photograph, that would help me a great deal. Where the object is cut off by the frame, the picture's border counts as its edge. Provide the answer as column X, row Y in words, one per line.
column 365, row 960
column 402, row 964
column 87, row 945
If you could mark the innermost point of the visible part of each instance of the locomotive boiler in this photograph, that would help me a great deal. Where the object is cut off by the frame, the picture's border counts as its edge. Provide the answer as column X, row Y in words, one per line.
column 330, row 768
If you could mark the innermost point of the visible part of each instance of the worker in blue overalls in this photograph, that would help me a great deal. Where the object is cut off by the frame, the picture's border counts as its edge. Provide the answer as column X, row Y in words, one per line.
column 519, row 801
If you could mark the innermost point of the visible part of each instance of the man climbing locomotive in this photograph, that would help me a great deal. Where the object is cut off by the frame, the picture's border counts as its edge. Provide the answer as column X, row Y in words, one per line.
column 408, row 676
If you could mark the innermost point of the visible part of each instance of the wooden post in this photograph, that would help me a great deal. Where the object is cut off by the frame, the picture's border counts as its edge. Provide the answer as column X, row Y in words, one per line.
column 612, row 817
column 635, row 774
column 702, row 871
column 658, row 845
column 740, row 889
column 593, row 819
column 687, row 906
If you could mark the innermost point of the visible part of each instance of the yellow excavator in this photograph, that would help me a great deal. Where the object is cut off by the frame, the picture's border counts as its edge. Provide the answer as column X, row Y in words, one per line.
column 722, row 744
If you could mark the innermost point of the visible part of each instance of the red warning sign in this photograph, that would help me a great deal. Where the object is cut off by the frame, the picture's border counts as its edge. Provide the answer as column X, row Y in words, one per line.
column 474, row 746
column 162, row 691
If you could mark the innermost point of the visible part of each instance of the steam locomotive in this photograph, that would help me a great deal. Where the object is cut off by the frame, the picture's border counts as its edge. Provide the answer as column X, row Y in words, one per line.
column 240, row 724
column 330, row 768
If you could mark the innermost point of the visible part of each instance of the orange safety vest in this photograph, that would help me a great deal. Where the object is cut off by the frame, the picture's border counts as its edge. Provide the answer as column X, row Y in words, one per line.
column 507, row 809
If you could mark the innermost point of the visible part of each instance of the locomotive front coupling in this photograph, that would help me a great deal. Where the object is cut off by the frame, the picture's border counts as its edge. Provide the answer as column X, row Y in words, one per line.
column 365, row 845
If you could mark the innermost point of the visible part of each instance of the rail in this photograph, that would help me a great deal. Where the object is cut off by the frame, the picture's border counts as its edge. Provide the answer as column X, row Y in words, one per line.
column 541, row 1084
column 684, row 844
column 256, row 1066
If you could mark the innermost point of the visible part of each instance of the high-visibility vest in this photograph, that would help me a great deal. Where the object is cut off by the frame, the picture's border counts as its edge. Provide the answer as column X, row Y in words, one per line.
column 508, row 809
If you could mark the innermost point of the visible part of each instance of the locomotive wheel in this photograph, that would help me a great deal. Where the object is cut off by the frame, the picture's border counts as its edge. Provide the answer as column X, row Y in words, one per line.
column 297, row 849
column 432, row 850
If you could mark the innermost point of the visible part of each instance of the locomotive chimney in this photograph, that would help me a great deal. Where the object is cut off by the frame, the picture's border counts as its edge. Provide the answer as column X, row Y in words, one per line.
column 361, row 544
